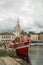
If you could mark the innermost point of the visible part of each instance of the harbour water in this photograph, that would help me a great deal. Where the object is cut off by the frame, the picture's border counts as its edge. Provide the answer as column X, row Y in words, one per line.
column 36, row 55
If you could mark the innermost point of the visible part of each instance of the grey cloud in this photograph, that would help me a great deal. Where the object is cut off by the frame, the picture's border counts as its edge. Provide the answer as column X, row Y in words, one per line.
column 7, row 24
column 39, row 24
column 30, row 11
column 12, row 4
column 38, row 10
column 11, row 7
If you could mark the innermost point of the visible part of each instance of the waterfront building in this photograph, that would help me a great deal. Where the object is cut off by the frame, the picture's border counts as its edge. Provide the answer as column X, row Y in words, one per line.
column 41, row 36
column 6, row 37
column 33, row 36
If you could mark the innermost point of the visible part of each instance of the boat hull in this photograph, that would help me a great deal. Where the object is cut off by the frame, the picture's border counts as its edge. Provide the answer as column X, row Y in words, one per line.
column 23, row 51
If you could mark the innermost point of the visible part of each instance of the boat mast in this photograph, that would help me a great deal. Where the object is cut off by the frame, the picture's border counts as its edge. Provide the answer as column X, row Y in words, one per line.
column 18, row 26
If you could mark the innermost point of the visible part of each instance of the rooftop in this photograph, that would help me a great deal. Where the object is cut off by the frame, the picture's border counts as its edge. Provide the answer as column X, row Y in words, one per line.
column 7, row 33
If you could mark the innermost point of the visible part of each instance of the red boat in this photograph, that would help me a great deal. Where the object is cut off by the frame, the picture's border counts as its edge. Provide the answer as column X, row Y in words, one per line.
column 22, row 48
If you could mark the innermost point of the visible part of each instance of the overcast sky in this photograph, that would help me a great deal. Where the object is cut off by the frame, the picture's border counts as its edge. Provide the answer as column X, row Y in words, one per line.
column 30, row 13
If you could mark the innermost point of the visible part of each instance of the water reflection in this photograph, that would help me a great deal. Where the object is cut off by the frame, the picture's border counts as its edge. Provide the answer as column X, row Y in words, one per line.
column 36, row 55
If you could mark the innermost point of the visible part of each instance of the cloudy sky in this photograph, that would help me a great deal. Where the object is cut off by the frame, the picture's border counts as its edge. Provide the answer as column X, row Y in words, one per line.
column 29, row 12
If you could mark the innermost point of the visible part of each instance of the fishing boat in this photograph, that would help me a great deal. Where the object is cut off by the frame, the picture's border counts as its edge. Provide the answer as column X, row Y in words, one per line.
column 22, row 50
column 21, row 44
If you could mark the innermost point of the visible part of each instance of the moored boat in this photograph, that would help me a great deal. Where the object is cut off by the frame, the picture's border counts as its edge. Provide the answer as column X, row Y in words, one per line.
column 22, row 50
column 21, row 44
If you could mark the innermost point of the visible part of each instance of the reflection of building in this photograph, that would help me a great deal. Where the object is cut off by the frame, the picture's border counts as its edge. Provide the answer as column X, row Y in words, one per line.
column 6, row 37
column 33, row 36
